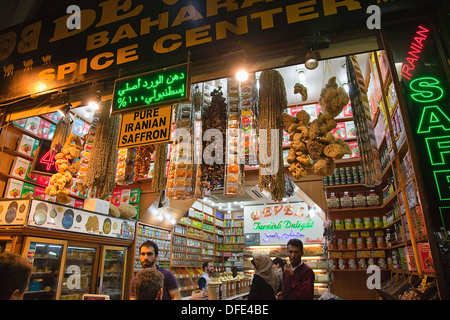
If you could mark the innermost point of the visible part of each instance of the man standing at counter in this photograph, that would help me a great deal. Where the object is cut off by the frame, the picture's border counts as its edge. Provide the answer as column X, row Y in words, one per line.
column 205, row 278
column 298, row 280
column 148, row 253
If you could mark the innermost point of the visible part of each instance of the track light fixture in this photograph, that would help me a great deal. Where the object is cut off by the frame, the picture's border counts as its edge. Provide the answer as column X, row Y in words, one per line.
column 65, row 109
column 311, row 61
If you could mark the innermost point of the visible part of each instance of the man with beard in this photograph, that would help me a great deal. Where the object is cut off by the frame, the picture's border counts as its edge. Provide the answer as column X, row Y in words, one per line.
column 148, row 253
column 298, row 279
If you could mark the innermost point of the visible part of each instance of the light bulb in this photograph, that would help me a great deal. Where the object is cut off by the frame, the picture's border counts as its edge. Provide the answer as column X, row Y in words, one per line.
column 242, row 75
column 94, row 105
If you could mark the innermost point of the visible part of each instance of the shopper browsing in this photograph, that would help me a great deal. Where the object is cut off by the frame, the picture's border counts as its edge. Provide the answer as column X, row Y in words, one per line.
column 15, row 273
column 298, row 279
column 149, row 284
column 148, row 254
column 265, row 282
column 205, row 278
column 278, row 266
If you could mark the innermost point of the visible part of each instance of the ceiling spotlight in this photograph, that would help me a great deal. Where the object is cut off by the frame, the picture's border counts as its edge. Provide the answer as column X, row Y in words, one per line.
column 172, row 220
column 94, row 105
column 242, row 75
column 311, row 61
column 65, row 110
column 301, row 75
column 345, row 86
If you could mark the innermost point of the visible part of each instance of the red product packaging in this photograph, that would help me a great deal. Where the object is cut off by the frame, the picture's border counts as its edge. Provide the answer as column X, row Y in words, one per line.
column 44, row 180
column 426, row 261
column 294, row 110
column 39, row 193
column 339, row 132
column 116, row 196
column 79, row 203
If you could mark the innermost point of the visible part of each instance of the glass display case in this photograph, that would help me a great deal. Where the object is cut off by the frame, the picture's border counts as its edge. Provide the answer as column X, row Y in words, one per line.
column 7, row 244
column 112, row 272
column 78, row 272
column 46, row 256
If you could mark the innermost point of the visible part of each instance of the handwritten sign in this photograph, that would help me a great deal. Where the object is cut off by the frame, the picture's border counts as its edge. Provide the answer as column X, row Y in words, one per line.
column 277, row 224
column 156, row 88
column 152, row 125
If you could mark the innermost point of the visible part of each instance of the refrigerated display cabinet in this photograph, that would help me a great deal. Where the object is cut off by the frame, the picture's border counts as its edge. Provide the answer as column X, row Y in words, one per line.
column 8, row 243
column 79, row 272
column 112, row 272
column 46, row 257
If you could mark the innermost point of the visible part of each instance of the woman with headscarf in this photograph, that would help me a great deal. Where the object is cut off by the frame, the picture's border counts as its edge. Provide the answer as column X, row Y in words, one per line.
column 265, row 282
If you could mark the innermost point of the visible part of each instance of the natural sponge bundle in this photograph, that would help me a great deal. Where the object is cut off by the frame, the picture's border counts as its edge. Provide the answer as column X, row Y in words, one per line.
column 312, row 144
column 333, row 98
column 61, row 182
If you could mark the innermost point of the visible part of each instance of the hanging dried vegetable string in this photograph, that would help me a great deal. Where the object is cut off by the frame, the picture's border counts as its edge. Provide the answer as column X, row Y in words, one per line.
column 159, row 169
column 272, row 102
column 101, row 172
column 62, row 132
column 370, row 158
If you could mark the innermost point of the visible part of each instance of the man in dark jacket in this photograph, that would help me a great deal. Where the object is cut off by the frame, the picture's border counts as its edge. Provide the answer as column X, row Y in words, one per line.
column 298, row 280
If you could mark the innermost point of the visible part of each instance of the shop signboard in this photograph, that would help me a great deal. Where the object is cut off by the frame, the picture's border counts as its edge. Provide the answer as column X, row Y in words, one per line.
column 55, row 216
column 425, row 83
column 149, row 126
column 278, row 223
column 121, row 38
column 155, row 88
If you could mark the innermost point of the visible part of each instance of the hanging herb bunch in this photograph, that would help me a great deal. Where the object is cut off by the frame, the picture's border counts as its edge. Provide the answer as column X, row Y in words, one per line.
column 272, row 102
column 62, row 132
column 159, row 169
column 101, row 172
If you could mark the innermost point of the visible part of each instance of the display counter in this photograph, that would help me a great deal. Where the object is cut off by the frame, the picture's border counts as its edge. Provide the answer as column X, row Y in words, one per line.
column 72, row 251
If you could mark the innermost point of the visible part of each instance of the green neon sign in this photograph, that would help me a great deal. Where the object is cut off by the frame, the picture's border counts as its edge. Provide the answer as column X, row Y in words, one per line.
column 433, row 118
column 442, row 179
column 434, row 123
column 155, row 88
column 441, row 143
column 426, row 89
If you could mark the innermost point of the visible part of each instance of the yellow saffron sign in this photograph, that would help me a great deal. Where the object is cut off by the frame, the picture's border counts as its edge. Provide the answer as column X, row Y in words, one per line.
column 152, row 125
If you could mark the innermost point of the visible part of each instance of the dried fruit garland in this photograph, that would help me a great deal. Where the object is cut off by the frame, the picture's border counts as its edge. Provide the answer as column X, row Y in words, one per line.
column 101, row 172
column 142, row 161
column 272, row 102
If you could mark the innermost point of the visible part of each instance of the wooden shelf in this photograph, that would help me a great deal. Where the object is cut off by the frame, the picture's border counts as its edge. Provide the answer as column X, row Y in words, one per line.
column 16, row 153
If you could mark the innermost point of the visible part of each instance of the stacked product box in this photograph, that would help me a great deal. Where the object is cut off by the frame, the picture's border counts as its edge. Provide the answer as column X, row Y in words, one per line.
column 352, row 199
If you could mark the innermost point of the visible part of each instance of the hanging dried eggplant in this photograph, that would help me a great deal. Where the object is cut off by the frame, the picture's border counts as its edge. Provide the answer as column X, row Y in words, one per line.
column 370, row 158
column 272, row 102
column 214, row 117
